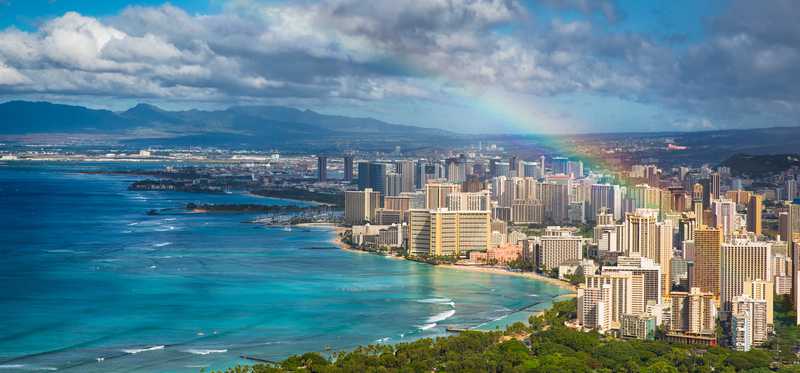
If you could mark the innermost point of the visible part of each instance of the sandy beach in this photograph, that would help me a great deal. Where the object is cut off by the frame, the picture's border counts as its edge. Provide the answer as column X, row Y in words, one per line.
column 501, row 271
column 482, row 269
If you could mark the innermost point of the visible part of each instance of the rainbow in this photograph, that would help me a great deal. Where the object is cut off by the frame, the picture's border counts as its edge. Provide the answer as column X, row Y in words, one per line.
column 520, row 113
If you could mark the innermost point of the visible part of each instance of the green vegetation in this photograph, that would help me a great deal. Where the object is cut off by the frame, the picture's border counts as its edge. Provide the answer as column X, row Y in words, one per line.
column 252, row 208
column 434, row 260
column 787, row 334
column 576, row 278
column 760, row 165
column 524, row 265
column 333, row 198
column 545, row 345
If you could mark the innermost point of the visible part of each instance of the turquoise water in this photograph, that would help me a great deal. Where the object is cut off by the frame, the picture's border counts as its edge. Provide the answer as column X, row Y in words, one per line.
column 93, row 284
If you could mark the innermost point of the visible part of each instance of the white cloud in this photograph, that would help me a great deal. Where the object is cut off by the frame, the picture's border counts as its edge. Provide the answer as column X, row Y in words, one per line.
column 10, row 76
column 350, row 50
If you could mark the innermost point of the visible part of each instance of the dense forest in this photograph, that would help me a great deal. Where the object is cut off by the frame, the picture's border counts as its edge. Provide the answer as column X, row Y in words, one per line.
column 546, row 345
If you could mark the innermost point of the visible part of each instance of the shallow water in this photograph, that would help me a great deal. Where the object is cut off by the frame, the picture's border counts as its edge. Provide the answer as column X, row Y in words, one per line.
column 93, row 284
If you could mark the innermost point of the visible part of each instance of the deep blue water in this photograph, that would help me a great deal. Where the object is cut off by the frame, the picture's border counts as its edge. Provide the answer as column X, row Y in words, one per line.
column 90, row 283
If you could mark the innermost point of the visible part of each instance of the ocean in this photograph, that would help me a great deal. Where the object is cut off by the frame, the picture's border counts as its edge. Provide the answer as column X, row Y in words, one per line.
column 91, row 283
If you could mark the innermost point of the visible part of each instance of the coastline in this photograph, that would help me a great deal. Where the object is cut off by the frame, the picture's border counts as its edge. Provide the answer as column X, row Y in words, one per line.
column 501, row 271
column 335, row 240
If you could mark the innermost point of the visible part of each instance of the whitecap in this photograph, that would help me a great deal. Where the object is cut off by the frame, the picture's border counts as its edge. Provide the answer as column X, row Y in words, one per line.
column 533, row 295
column 441, row 316
column 162, row 244
column 63, row 251
column 196, row 351
column 25, row 367
column 382, row 340
column 427, row 326
column 146, row 349
column 435, row 300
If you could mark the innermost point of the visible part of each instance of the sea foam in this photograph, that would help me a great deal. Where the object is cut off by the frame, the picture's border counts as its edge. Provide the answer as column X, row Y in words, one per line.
column 139, row 350
column 427, row 326
column 197, row 351
column 441, row 316
column 435, row 300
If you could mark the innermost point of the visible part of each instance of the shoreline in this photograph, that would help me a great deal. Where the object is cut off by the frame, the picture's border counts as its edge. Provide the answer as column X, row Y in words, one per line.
column 500, row 271
column 336, row 241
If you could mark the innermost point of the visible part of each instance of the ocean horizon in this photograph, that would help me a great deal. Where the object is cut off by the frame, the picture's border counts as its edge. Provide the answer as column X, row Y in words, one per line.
column 92, row 283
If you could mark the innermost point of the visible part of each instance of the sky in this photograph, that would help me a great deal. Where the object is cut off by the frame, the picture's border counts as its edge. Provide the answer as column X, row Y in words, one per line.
column 490, row 66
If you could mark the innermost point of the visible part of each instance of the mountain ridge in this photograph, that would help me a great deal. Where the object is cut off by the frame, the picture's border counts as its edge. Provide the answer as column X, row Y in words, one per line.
column 36, row 117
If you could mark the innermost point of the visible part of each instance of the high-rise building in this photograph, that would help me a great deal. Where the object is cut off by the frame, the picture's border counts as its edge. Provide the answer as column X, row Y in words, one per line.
column 707, row 243
column 645, row 237
column 754, row 208
column 724, row 213
column 442, row 232
column 604, row 217
column 741, row 330
column 552, row 251
column 757, row 310
column 397, row 203
column 762, row 290
column 645, row 267
column 393, row 184
column 348, row 167
column 698, row 204
column 791, row 189
column 406, row 171
column 714, row 183
column 525, row 211
column 575, row 169
column 739, row 262
column 501, row 169
column 417, row 199
column 555, row 198
column 359, row 206
column 420, row 174
column 793, row 221
column 606, row 196
column 594, row 307
column 473, row 184
column 532, row 169
column 693, row 312
column 627, row 293
column 560, row 165
column 707, row 195
column 463, row 201
column 456, row 170
column 640, row 233
column 638, row 327
column 372, row 175
column 436, row 194
column 645, row 196
column 741, row 197
column 322, row 168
